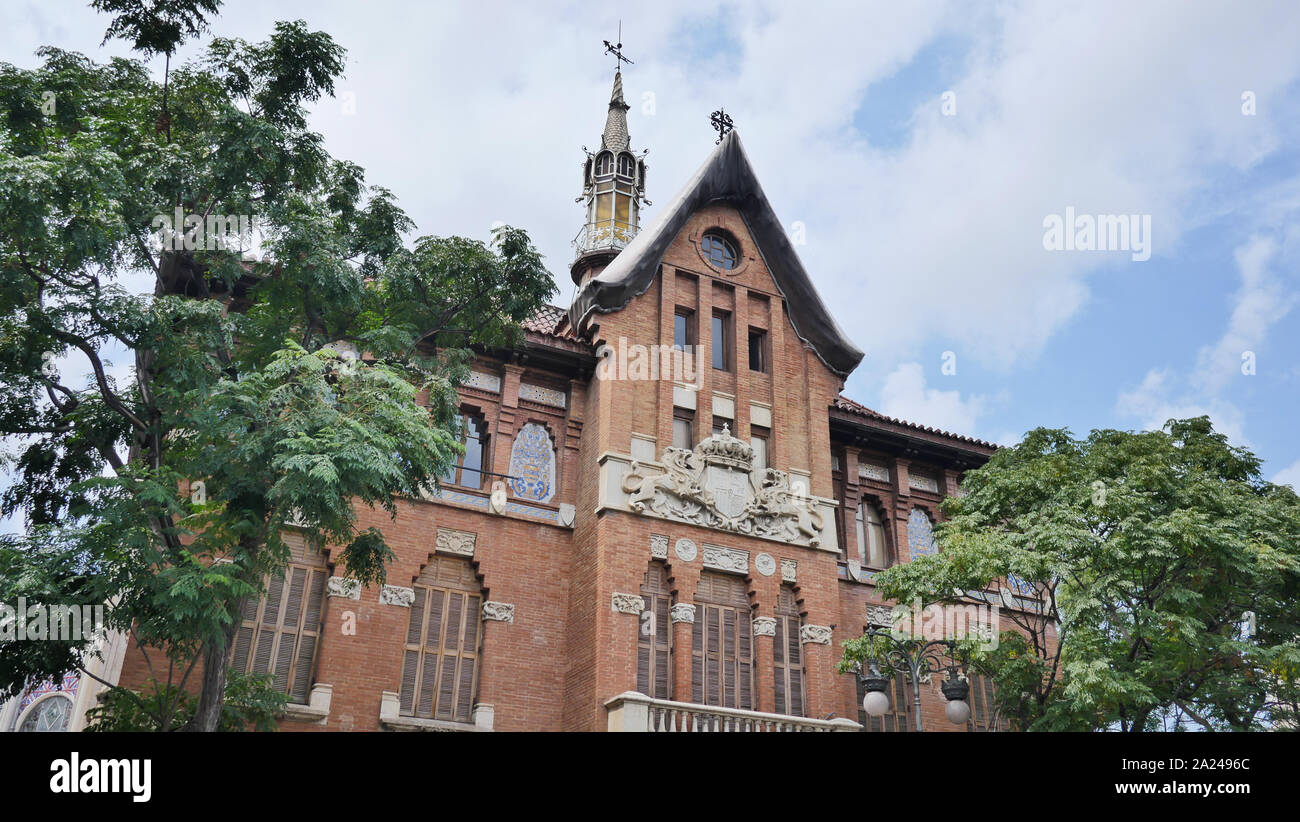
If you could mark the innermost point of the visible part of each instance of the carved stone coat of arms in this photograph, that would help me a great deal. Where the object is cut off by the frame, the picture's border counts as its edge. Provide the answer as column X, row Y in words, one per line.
column 713, row 485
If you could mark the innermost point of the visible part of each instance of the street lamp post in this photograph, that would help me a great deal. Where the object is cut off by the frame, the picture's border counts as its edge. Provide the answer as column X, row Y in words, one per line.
column 916, row 659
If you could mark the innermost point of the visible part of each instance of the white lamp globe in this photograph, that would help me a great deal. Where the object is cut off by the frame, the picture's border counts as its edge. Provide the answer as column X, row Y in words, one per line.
column 958, row 711
column 876, row 703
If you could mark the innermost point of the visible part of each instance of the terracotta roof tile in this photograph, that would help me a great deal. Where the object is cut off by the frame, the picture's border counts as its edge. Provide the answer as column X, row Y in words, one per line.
column 845, row 404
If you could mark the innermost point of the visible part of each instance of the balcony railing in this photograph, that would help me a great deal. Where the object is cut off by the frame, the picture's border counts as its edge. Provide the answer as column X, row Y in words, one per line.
column 605, row 234
column 631, row 712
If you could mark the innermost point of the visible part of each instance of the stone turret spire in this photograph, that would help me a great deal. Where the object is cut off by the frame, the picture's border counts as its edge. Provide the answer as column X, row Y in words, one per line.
column 616, row 137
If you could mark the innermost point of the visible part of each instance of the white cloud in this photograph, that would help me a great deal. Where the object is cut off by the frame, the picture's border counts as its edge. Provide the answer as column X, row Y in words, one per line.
column 1289, row 476
column 1261, row 302
column 905, row 395
column 1158, row 400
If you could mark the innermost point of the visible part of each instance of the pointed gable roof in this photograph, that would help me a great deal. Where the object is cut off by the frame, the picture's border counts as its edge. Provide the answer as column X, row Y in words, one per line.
column 727, row 177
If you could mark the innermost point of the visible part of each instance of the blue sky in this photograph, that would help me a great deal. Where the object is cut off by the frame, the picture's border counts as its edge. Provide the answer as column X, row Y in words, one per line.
column 924, row 230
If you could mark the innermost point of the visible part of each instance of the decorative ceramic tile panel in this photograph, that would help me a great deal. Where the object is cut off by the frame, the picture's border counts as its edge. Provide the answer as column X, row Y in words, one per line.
column 543, row 395
column 870, row 470
column 484, row 382
column 923, row 483
column 532, row 464
column 920, row 534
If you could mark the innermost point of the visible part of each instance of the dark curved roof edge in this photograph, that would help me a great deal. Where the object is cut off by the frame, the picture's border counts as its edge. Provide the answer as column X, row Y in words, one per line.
column 726, row 176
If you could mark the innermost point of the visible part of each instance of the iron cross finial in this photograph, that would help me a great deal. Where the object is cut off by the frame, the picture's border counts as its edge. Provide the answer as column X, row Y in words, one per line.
column 721, row 123
column 616, row 49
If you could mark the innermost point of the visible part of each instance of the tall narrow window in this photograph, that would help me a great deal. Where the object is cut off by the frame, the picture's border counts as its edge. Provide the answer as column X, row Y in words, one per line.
column 787, row 655
column 653, row 652
column 683, row 338
column 871, row 536
column 721, row 338
column 722, row 659
column 758, row 437
column 279, row 632
column 440, row 662
column 683, row 419
column 468, row 470
column 758, row 350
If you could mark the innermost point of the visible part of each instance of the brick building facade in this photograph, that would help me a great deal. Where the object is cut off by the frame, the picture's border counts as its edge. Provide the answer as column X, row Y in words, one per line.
column 667, row 511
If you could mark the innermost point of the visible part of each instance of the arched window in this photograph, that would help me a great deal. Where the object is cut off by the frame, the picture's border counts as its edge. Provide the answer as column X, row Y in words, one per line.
column 50, row 713
column 532, row 464
column 722, row 656
column 626, row 165
column 469, row 467
column 719, row 251
column 604, row 164
column 920, row 533
column 440, row 662
column 653, row 647
column 279, row 632
column 787, row 655
column 872, row 551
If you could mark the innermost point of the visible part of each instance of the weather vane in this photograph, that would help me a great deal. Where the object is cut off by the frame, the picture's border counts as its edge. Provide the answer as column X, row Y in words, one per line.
column 722, row 123
column 616, row 49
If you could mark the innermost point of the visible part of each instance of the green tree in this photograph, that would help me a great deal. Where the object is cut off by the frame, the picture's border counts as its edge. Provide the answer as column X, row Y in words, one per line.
column 1161, row 574
column 294, row 383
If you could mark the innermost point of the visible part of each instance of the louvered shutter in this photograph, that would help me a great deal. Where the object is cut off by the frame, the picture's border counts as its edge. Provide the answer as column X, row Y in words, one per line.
column 654, row 652
column 440, row 660
column 787, row 653
column 279, row 633
column 723, row 657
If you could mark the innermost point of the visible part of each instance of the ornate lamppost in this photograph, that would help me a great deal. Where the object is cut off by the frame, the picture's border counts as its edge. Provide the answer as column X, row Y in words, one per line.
column 915, row 658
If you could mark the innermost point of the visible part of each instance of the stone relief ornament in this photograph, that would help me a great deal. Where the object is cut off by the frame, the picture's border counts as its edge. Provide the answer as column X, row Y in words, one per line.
column 726, row 559
column 788, row 569
column 396, row 595
column 342, row 587
column 682, row 612
column 764, row 626
column 686, row 550
column 499, row 611
column 765, row 564
column 712, row 486
column 460, row 543
column 498, row 498
column 627, row 603
column 880, row 616
column 658, row 546
column 815, row 634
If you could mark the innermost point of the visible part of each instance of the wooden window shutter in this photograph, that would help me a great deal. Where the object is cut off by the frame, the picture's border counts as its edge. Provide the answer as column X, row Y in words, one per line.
column 279, row 633
column 723, row 657
column 654, row 646
column 441, row 656
column 787, row 653
column 983, row 715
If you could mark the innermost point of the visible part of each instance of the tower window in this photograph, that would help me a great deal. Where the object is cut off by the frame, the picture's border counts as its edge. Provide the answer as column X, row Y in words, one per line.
column 719, row 251
column 721, row 339
column 683, row 339
column 758, row 350
column 625, row 165
column 683, row 420
column 604, row 164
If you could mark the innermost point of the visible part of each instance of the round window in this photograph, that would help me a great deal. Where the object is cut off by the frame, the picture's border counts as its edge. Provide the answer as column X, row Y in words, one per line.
column 719, row 251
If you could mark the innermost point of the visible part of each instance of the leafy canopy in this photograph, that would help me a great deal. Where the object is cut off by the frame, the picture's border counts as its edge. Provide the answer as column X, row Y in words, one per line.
column 1147, row 558
column 294, row 377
